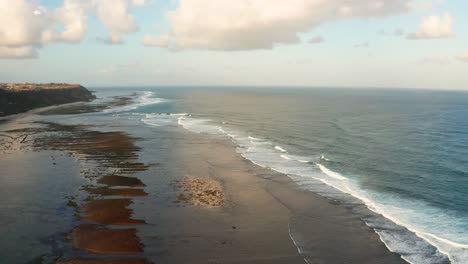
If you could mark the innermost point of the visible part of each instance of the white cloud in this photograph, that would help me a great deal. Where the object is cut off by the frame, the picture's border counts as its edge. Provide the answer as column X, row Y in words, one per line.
column 115, row 16
column 434, row 27
column 316, row 40
column 73, row 18
column 259, row 24
column 22, row 23
column 25, row 26
column 17, row 52
column 463, row 57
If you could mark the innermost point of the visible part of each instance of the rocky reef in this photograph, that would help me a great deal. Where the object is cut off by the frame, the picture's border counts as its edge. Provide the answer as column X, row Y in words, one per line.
column 19, row 98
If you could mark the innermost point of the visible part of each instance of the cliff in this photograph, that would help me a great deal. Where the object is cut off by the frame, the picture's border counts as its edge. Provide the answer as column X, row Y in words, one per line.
column 19, row 98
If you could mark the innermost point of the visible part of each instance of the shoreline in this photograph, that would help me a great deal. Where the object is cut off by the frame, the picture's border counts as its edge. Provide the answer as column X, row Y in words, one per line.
column 38, row 111
column 69, row 108
column 339, row 236
column 397, row 237
column 264, row 218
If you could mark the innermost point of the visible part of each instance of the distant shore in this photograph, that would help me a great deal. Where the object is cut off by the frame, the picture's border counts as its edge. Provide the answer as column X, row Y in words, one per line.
column 20, row 98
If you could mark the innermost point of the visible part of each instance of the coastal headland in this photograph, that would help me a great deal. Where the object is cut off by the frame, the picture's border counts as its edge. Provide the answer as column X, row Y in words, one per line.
column 20, row 98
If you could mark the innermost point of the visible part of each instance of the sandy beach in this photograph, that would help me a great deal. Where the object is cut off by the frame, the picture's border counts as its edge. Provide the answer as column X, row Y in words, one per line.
column 260, row 209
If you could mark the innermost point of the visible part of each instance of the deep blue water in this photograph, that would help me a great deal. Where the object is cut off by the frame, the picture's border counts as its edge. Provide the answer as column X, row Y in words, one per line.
column 404, row 153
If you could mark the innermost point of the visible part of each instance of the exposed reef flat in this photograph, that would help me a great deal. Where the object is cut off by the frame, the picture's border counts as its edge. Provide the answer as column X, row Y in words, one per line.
column 20, row 98
column 104, row 229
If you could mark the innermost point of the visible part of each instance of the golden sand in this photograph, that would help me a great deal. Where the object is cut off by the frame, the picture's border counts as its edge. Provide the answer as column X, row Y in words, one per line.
column 202, row 191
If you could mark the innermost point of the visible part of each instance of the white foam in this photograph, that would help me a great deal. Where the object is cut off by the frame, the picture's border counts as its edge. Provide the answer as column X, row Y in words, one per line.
column 265, row 154
column 280, row 149
column 157, row 119
column 331, row 173
column 200, row 126
column 144, row 99
column 300, row 159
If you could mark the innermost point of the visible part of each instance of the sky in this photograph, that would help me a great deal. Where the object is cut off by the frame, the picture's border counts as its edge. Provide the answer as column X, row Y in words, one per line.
column 307, row 43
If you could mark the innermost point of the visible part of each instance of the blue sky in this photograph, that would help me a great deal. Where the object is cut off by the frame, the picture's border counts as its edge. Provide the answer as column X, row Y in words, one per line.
column 359, row 49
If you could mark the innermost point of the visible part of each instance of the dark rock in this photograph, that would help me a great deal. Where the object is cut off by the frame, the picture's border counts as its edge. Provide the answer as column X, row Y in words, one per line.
column 15, row 99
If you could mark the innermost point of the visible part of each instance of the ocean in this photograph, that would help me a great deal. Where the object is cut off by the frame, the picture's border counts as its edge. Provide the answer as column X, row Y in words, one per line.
column 403, row 153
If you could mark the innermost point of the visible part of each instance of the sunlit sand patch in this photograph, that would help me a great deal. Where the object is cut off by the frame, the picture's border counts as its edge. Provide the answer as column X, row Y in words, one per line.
column 94, row 239
column 109, row 212
column 202, row 191
column 121, row 181
column 128, row 192
column 104, row 261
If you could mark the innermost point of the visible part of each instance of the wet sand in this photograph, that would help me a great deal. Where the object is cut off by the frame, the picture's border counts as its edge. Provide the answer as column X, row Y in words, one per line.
column 109, row 212
column 121, row 181
column 100, row 153
column 108, row 151
column 126, row 192
column 262, row 210
column 104, row 261
column 95, row 239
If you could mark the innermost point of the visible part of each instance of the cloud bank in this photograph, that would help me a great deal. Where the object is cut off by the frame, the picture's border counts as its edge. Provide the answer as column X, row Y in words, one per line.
column 434, row 27
column 259, row 24
column 25, row 26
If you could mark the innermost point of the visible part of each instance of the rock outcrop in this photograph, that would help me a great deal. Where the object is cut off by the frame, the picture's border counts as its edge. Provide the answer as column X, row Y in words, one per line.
column 19, row 98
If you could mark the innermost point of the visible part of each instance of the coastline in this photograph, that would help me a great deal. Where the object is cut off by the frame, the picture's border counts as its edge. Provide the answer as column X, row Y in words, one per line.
column 20, row 98
column 261, row 199
column 38, row 111
column 262, row 215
